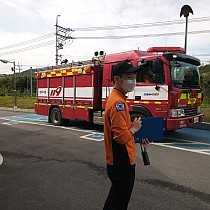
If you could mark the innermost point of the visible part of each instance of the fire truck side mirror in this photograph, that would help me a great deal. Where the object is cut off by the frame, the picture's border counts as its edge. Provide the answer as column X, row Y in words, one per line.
column 158, row 71
column 158, row 66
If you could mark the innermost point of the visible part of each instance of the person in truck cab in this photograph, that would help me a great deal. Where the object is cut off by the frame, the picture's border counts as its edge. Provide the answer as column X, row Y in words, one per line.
column 147, row 78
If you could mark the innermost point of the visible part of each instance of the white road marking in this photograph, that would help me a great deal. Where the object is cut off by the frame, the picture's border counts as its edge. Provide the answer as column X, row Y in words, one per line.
column 184, row 141
column 11, row 123
column 1, row 159
column 180, row 148
column 94, row 137
column 91, row 132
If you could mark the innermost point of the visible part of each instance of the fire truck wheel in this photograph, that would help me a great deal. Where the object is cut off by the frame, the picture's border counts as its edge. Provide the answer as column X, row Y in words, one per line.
column 56, row 117
column 136, row 115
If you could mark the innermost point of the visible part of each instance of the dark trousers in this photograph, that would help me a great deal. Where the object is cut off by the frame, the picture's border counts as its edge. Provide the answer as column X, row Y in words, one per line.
column 122, row 179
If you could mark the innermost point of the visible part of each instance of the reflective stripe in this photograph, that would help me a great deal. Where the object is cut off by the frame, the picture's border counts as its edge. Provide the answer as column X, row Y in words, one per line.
column 81, row 107
column 67, row 105
column 64, row 72
column 199, row 95
column 151, row 102
column 69, row 73
column 191, row 101
column 186, row 99
column 41, row 104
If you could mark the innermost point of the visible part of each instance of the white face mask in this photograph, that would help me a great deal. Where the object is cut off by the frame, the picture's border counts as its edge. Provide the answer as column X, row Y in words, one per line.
column 129, row 85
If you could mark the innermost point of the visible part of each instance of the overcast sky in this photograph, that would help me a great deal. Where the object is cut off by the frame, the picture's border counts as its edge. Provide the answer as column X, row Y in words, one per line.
column 34, row 21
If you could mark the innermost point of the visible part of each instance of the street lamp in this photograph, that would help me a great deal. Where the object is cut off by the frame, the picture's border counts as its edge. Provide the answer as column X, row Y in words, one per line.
column 186, row 10
column 13, row 69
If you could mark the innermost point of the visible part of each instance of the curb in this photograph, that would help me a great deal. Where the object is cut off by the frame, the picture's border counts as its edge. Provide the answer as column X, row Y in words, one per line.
column 17, row 110
column 201, row 126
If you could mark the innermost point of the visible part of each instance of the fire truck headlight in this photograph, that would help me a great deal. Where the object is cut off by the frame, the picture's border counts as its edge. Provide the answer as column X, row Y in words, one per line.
column 173, row 113
column 180, row 112
column 177, row 112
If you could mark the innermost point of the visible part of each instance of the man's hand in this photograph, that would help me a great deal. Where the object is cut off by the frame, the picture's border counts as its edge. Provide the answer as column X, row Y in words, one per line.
column 144, row 141
column 136, row 125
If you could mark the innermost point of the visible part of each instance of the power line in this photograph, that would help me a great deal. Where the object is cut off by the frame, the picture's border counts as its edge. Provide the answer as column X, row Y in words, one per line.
column 142, row 36
column 44, row 44
column 104, row 37
column 193, row 20
column 46, row 36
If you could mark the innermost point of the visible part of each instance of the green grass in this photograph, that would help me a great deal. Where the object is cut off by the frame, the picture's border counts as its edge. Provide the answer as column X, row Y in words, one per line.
column 22, row 102
column 28, row 103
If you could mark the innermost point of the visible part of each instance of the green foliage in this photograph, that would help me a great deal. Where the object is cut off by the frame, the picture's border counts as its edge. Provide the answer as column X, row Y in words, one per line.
column 205, row 83
column 23, row 85
column 204, row 69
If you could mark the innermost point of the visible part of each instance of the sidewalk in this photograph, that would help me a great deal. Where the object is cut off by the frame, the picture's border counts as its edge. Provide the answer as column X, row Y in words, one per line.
column 17, row 110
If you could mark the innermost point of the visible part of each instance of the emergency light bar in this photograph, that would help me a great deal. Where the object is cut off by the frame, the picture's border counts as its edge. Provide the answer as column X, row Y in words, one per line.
column 166, row 49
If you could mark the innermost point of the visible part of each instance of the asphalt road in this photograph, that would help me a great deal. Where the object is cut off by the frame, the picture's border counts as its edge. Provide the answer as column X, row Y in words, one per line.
column 47, row 167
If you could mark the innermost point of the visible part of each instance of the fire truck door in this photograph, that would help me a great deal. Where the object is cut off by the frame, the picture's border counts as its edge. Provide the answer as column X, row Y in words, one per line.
column 97, row 83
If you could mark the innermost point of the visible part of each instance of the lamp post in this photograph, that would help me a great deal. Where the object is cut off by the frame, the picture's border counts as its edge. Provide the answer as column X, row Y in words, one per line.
column 56, row 41
column 186, row 10
column 15, row 91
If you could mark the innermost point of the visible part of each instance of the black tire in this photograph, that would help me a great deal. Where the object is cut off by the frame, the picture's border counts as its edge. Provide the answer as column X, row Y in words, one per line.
column 56, row 117
column 137, row 115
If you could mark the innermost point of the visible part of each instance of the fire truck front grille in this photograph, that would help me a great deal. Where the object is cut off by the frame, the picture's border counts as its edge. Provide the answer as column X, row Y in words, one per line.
column 190, row 111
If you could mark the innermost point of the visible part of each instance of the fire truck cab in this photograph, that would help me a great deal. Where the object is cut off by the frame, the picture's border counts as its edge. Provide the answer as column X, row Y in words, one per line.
column 168, row 85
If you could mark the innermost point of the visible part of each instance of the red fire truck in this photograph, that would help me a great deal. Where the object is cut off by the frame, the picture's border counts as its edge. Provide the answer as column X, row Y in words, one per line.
column 80, row 90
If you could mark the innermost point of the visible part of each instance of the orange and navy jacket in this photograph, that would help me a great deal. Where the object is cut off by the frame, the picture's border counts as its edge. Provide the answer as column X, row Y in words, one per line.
column 119, row 141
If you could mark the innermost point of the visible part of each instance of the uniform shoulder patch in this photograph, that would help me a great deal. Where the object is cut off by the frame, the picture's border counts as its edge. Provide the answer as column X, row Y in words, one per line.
column 120, row 106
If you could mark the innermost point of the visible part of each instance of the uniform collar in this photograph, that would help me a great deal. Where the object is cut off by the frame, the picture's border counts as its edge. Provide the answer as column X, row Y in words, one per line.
column 119, row 92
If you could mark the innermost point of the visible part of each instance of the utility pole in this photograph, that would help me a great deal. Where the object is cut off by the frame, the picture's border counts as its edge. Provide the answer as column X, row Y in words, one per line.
column 56, row 41
column 15, row 91
column 19, row 67
column 62, row 34
column 31, row 83
column 27, row 84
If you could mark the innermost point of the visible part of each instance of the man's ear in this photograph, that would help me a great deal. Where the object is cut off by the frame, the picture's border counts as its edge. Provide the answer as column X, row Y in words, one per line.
column 116, row 78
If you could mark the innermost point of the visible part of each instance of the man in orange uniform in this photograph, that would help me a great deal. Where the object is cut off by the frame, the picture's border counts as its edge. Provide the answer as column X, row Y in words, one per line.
column 119, row 138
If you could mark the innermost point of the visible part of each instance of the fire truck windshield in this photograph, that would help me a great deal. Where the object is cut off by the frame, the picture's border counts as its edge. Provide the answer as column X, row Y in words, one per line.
column 184, row 75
